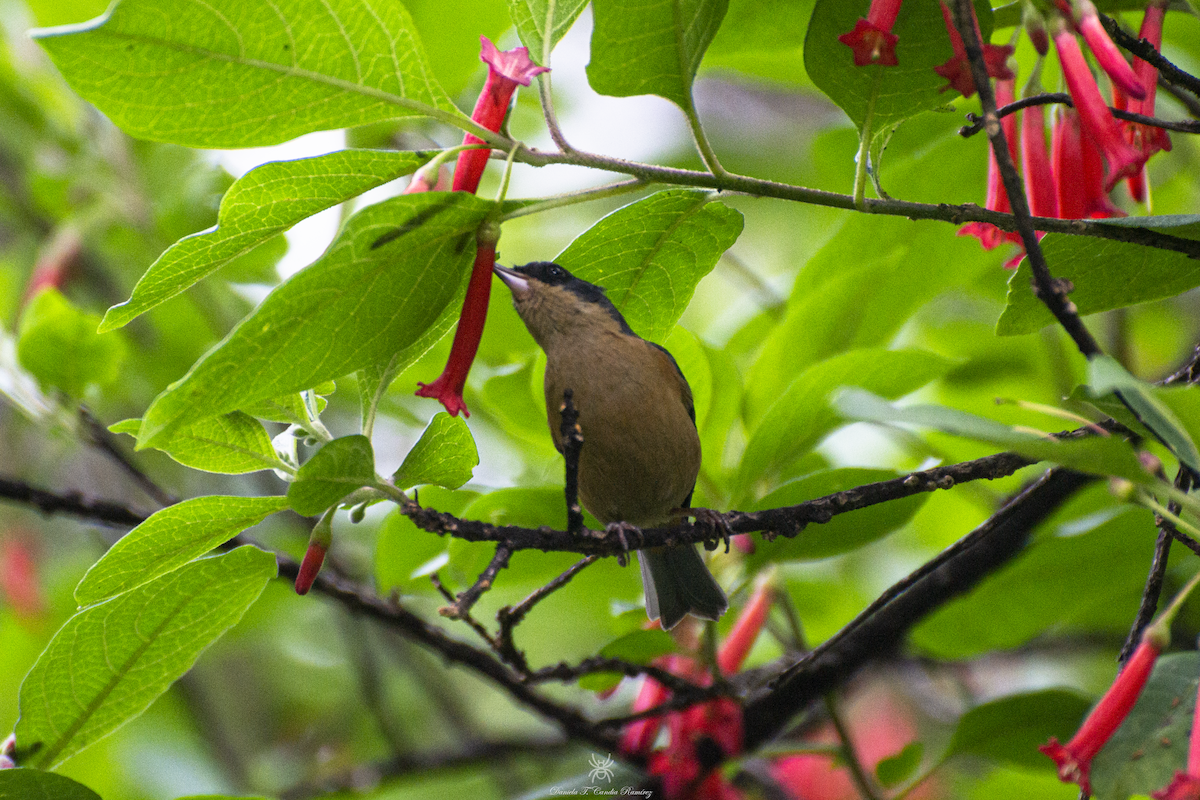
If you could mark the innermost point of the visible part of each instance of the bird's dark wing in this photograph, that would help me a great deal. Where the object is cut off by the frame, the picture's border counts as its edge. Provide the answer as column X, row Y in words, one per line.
column 687, row 389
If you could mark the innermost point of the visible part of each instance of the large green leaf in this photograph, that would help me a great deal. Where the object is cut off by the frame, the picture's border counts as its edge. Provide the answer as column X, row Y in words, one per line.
column 842, row 533
column 650, row 255
column 541, row 23
column 802, row 415
column 263, row 203
column 1089, row 577
column 1099, row 455
column 336, row 470
column 111, row 660
column 1106, row 274
column 33, row 784
column 445, row 455
column 1011, row 728
column 169, row 539
column 1106, row 375
column 231, row 443
column 898, row 92
column 1152, row 743
column 763, row 38
column 59, row 345
column 232, row 74
column 386, row 286
column 651, row 46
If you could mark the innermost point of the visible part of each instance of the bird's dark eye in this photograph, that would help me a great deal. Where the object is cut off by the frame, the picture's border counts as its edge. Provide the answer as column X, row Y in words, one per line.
column 556, row 272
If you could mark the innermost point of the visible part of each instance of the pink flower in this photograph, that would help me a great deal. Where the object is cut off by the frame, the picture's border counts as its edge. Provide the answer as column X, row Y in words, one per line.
column 1095, row 118
column 872, row 40
column 957, row 70
column 1095, row 197
column 1107, row 55
column 1066, row 157
column 1074, row 759
column 997, row 198
column 506, row 70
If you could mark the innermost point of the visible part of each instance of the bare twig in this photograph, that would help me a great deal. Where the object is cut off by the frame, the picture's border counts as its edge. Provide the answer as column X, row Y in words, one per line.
column 509, row 617
column 1145, row 51
column 976, row 122
column 74, row 503
column 460, row 607
column 589, row 666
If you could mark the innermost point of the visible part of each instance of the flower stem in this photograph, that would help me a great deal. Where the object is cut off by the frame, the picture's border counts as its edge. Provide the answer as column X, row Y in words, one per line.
column 864, row 144
column 865, row 785
column 573, row 198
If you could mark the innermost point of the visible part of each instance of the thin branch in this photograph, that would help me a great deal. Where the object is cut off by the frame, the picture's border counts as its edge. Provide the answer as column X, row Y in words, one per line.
column 74, row 503
column 866, row 786
column 589, row 666
column 882, row 627
column 1158, row 570
column 1145, row 51
column 466, row 617
column 1053, row 293
column 509, row 617
column 99, row 437
column 1050, row 98
column 460, row 607
column 393, row 615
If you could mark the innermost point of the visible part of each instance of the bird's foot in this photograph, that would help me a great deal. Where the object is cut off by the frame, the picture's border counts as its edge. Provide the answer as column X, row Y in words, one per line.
column 716, row 529
column 624, row 532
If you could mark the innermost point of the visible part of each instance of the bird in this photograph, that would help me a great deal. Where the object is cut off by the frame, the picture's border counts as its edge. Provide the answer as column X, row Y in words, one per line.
column 641, row 450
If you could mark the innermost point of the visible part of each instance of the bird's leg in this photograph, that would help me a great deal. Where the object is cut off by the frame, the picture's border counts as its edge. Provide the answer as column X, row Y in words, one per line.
column 713, row 524
column 623, row 530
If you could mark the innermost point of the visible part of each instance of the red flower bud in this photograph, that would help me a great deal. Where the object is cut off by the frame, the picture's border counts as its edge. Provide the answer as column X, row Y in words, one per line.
column 997, row 198
column 314, row 557
column 737, row 644
column 1074, row 759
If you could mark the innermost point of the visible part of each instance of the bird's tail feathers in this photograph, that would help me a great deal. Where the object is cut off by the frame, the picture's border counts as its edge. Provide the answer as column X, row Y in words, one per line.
column 677, row 583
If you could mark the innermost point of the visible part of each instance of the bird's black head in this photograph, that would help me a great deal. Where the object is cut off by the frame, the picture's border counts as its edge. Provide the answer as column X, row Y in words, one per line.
column 553, row 285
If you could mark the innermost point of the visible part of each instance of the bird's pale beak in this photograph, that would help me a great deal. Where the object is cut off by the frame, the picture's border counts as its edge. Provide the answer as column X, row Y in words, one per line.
column 517, row 283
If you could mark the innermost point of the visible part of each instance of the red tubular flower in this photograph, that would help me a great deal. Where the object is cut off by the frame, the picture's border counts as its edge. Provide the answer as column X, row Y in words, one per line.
column 1066, row 158
column 1035, row 163
column 1095, row 198
column 957, row 70
column 1095, row 117
column 872, row 40
column 448, row 388
column 1074, row 759
column 506, row 70
column 737, row 644
column 1107, row 55
column 1146, row 138
column 997, row 198
column 1186, row 785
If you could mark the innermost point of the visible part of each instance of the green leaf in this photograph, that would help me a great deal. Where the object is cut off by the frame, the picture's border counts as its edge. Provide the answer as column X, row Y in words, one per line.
column 802, row 416
column 763, row 39
column 445, row 455
column 33, row 784
column 651, row 46
column 262, row 204
column 60, row 346
column 640, row 647
column 1106, row 274
column 336, row 470
column 541, row 23
column 894, row 770
column 1088, row 577
column 898, row 92
column 1106, row 375
column 232, row 443
column 386, row 286
column 650, row 255
column 287, row 408
column 233, row 74
column 169, row 539
column 110, row 661
column 1011, row 728
column 842, row 533
column 1152, row 743
column 1098, row 455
